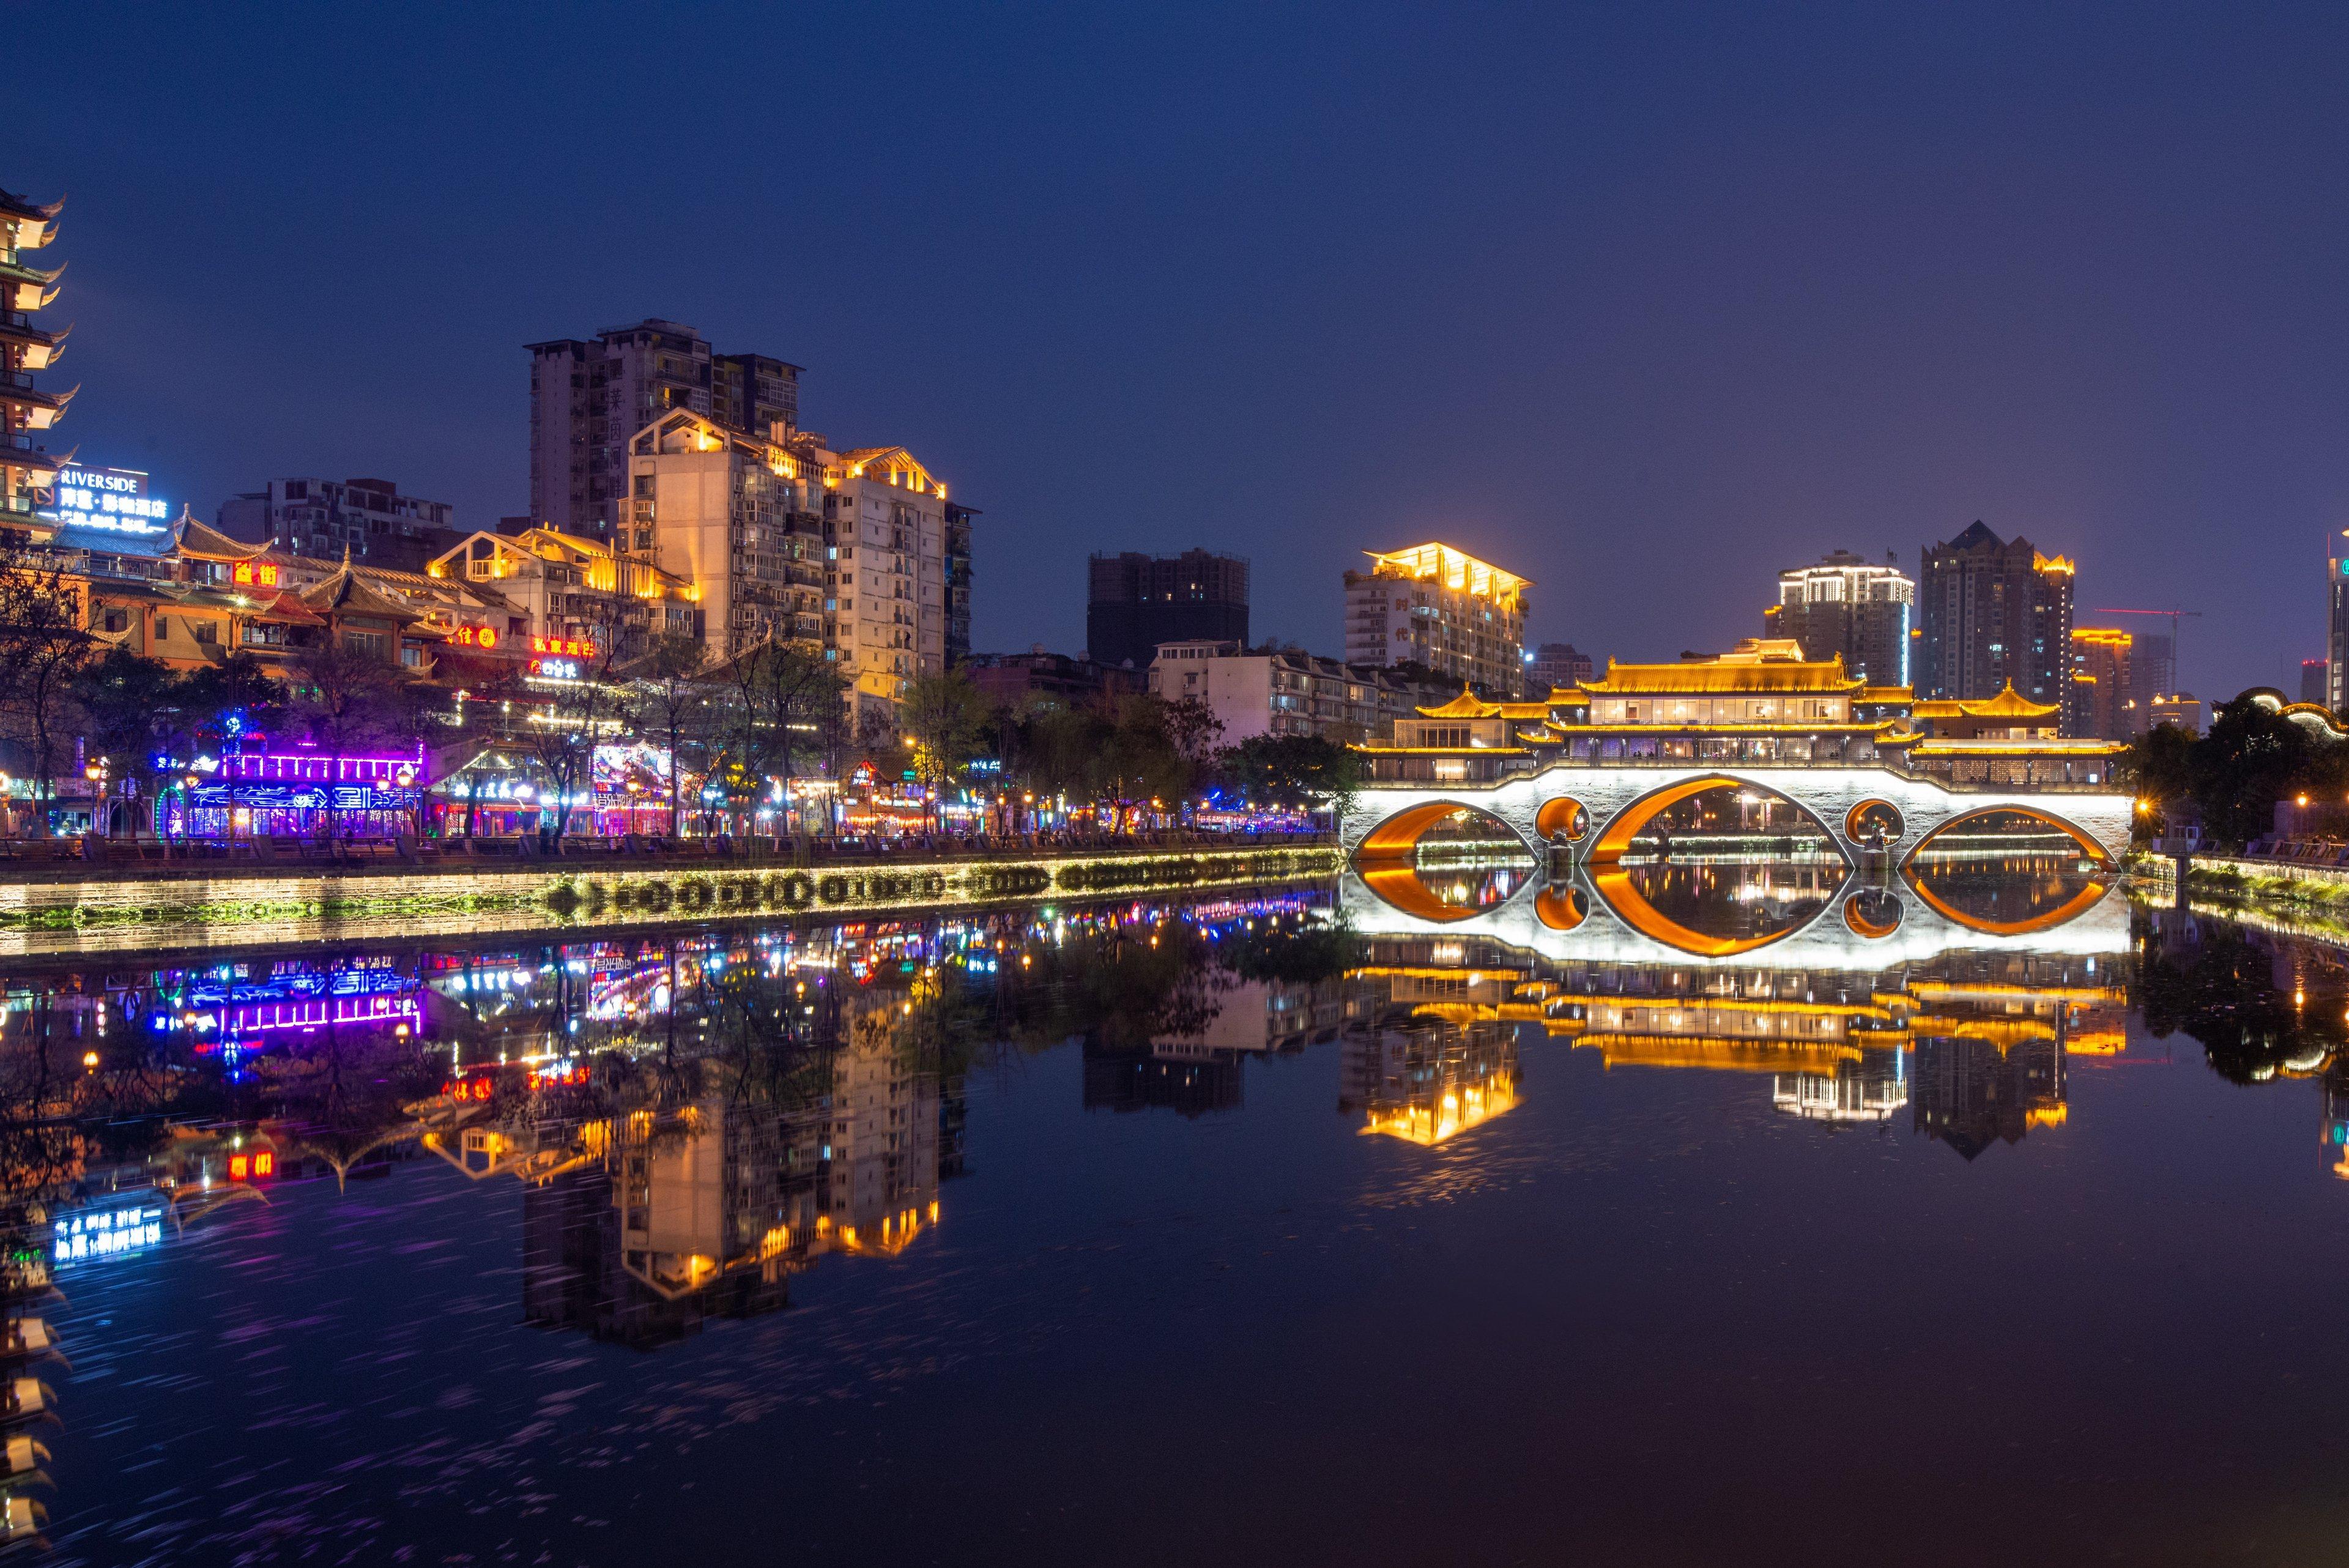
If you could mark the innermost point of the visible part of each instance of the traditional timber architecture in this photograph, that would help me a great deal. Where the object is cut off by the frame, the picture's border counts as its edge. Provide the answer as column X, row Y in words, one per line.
column 1589, row 771
column 25, row 467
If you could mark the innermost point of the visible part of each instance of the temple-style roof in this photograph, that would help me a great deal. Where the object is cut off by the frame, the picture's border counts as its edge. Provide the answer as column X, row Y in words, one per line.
column 203, row 542
column 1762, row 665
column 346, row 594
column 1885, row 694
column 1467, row 705
column 2008, row 705
column 41, row 409
column 38, row 349
column 25, row 287
column 36, row 223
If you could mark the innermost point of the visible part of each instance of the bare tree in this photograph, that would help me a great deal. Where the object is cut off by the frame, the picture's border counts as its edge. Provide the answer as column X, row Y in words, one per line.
column 43, row 645
column 672, row 702
column 349, row 700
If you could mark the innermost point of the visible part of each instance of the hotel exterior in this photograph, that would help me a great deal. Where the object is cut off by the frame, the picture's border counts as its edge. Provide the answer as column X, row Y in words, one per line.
column 26, row 411
column 1435, row 605
column 1761, row 705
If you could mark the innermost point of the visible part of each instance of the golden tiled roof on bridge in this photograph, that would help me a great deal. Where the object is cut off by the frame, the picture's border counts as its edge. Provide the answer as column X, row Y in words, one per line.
column 1757, row 665
column 2008, row 705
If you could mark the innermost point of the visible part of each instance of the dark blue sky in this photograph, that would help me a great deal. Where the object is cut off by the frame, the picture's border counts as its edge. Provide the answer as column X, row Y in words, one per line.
column 1643, row 302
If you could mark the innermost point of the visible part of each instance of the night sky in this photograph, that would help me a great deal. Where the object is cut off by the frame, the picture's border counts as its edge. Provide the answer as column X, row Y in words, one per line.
column 1645, row 303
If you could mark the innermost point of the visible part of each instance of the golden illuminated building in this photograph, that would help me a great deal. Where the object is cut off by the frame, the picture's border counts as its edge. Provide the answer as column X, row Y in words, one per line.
column 2104, row 700
column 1441, row 608
column 563, row 587
column 1760, row 703
column 28, row 471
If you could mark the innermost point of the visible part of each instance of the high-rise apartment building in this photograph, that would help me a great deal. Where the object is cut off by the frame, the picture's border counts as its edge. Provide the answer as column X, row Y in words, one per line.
column 958, row 526
column 26, row 411
column 2103, row 704
column 1851, row 605
column 369, row 518
column 1441, row 608
column 791, row 541
column 1993, row 612
column 1135, row 602
column 2337, row 631
column 2315, row 683
column 589, row 399
column 2153, row 669
column 1557, row 664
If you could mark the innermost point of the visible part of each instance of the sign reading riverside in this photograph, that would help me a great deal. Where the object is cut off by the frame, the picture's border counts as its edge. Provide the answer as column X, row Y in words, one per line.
column 114, row 498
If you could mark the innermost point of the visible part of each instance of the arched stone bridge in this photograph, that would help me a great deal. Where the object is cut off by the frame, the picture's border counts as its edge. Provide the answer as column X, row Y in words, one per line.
column 1386, row 821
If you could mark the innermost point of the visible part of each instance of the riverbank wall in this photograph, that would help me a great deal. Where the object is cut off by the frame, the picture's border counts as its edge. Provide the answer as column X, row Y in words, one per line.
column 184, row 912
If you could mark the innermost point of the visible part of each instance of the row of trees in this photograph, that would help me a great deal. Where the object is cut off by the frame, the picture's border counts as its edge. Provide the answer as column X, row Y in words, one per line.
column 2233, row 776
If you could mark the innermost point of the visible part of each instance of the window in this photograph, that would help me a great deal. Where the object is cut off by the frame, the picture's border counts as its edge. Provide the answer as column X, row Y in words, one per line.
column 118, row 621
column 374, row 643
column 207, row 631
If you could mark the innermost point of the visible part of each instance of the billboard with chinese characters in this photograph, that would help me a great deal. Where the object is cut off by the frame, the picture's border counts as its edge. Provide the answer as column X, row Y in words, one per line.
column 112, row 500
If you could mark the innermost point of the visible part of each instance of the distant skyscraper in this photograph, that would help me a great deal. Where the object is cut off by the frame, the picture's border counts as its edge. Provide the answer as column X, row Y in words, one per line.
column 2154, row 663
column 1851, row 605
column 2103, row 703
column 588, row 398
column 2314, row 687
column 2336, row 632
column 1135, row 602
column 1433, row 605
column 1993, row 612
column 1557, row 664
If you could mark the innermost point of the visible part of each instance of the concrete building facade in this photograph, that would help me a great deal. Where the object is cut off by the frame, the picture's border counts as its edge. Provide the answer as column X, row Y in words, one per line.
column 1993, row 612
column 1436, row 607
column 1134, row 602
column 1845, row 603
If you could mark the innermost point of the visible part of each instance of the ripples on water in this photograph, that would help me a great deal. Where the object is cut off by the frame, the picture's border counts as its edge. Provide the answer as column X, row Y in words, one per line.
column 1035, row 1237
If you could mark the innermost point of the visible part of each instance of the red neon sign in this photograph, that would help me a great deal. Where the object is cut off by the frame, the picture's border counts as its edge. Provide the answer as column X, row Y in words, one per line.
column 264, row 1164
column 476, row 636
column 564, row 646
column 237, row 1165
column 248, row 575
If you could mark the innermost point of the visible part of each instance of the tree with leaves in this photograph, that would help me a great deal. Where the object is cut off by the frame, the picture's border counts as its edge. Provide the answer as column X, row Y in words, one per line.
column 133, row 715
column 1292, row 772
column 944, row 720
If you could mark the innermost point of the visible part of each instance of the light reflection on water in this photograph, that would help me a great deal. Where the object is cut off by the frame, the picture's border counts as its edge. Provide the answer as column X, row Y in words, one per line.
column 591, row 1241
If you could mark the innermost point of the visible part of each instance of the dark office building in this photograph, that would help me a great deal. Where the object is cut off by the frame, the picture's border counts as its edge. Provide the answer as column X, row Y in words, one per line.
column 957, row 553
column 1135, row 602
column 1994, row 612
column 2314, row 686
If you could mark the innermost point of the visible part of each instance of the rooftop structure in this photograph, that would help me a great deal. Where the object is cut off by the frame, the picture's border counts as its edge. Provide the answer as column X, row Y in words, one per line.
column 1442, row 610
column 1993, row 612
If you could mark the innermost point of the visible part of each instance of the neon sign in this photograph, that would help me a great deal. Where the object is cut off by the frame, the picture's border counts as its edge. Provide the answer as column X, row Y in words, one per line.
column 555, row 669
column 105, row 1232
column 249, row 575
column 113, row 499
column 564, row 646
column 476, row 636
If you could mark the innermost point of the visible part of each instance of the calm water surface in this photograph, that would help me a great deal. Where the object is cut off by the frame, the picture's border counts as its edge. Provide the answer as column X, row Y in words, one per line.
column 1239, row 1230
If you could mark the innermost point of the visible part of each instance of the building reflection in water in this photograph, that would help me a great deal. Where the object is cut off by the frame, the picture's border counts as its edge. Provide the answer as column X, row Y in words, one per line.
column 1973, row 1044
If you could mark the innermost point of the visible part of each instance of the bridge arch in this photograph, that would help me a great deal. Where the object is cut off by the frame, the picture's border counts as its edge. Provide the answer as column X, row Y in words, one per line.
column 1628, row 823
column 2088, row 846
column 1396, row 836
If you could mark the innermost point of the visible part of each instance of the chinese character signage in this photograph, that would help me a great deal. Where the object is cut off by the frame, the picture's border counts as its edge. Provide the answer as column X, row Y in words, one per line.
column 255, row 575
column 476, row 636
column 564, row 646
column 112, row 499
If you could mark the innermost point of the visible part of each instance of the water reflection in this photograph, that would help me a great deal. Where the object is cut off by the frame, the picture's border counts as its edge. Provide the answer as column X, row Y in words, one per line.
column 1721, row 905
column 2004, row 892
column 685, row 1131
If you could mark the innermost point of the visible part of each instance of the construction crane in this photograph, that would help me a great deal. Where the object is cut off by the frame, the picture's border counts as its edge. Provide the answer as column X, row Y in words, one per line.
column 2175, row 615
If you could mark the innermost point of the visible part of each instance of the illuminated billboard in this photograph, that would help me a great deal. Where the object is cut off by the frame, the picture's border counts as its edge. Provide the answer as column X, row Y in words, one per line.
column 115, row 500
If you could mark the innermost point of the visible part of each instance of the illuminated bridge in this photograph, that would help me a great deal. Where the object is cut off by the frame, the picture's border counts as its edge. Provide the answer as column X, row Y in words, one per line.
column 1596, row 813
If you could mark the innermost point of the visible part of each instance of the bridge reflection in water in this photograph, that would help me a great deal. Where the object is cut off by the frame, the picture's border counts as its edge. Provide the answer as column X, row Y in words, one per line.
column 1954, row 991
